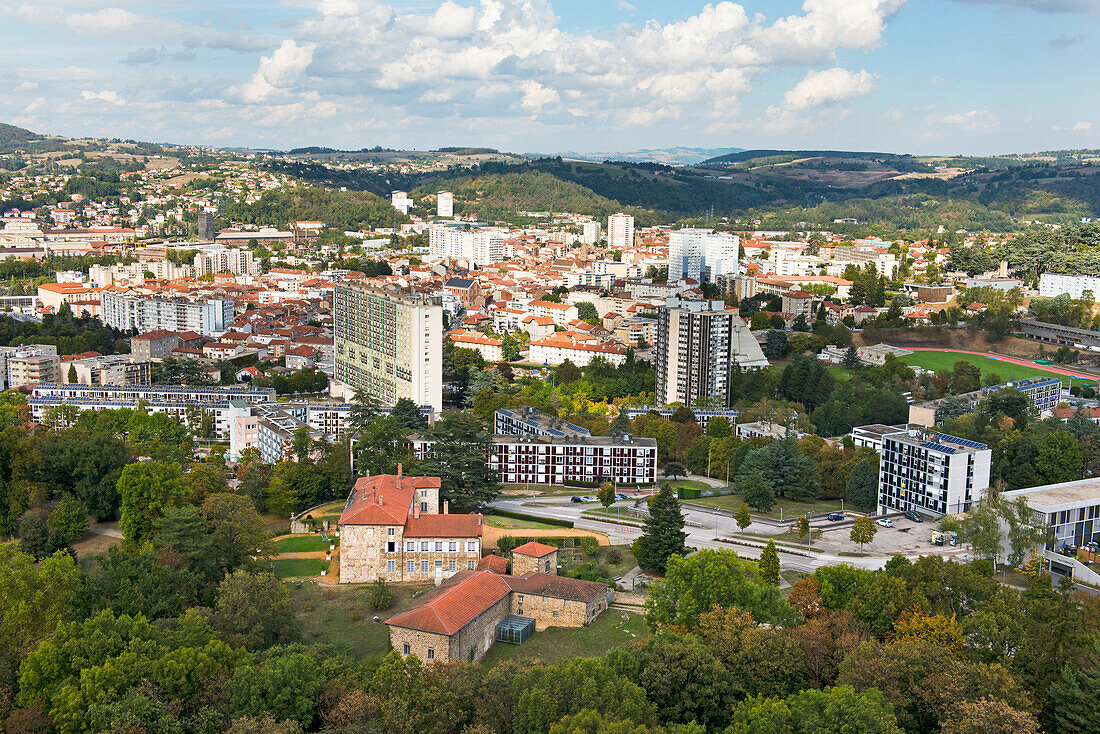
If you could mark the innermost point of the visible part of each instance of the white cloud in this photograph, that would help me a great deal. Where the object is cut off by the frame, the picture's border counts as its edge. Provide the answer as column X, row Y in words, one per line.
column 1083, row 127
column 277, row 71
column 109, row 96
column 626, row 6
column 974, row 120
column 827, row 87
column 536, row 97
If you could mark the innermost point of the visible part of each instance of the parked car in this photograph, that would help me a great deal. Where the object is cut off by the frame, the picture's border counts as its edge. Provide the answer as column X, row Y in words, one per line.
column 622, row 496
column 884, row 523
column 590, row 498
column 836, row 516
column 914, row 516
column 576, row 498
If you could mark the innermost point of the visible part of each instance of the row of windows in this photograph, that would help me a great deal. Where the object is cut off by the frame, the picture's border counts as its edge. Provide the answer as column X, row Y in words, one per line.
column 426, row 566
column 426, row 546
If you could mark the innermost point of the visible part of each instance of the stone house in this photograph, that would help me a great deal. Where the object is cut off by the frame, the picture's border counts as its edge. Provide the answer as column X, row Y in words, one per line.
column 535, row 558
column 391, row 528
column 460, row 619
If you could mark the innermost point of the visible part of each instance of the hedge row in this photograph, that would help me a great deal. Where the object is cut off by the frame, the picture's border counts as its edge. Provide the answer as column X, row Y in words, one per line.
column 535, row 518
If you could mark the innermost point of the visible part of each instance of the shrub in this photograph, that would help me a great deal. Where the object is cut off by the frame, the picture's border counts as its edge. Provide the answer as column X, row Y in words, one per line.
column 506, row 543
column 380, row 595
column 589, row 545
column 615, row 556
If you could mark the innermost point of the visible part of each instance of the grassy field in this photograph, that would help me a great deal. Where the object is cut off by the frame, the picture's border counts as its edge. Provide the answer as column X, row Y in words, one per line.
column 514, row 523
column 619, row 513
column 294, row 568
column 943, row 362
column 784, row 508
column 560, row 643
column 686, row 484
column 301, row 544
column 344, row 616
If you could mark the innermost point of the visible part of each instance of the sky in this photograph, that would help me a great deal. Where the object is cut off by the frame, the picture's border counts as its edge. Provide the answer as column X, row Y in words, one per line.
column 908, row 76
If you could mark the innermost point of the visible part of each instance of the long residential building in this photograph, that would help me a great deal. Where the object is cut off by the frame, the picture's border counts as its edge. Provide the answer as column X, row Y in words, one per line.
column 33, row 364
column 624, row 459
column 699, row 345
column 530, row 422
column 931, row 473
column 390, row 344
column 479, row 246
column 1055, row 284
column 701, row 254
column 131, row 311
column 234, row 261
column 1044, row 393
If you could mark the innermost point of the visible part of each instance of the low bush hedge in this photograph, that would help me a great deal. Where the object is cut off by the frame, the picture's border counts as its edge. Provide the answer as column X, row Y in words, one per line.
column 534, row 518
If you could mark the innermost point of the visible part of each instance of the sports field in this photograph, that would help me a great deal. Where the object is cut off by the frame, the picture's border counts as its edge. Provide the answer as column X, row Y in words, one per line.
column 942, row 363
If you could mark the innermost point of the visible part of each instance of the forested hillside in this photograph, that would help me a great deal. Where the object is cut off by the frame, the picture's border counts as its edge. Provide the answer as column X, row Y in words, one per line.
column 340, row 209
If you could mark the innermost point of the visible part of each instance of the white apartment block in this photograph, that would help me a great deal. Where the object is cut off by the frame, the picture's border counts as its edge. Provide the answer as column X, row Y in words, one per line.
column 33, row 364
column 699, row 345
column 931, row 473
column 114, row 369
column 1055, row 284
column 527, row 421
column 480, row 247
column 401, row 201
column 390, row 344
column 701, row 254
column 445, row 204
column 126, row 311
column 234, row 262
column 590, row 232
column 620, row 231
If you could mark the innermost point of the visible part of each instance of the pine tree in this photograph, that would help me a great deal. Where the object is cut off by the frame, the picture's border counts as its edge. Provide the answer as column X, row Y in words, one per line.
column 620, row 425
column 851, row 358
column 664, row 534
column 862, row 488
column 756, row 491
column 744, row 519
column 1075, row 698
column 769, row 564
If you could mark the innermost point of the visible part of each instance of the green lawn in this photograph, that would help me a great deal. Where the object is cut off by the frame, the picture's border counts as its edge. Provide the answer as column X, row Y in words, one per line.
column 562, row 643
column 301, row 544
column 784, row 508
column 294, row 568
column 943, row 362
column 514, row 523
column 686, row 484
column 619, row 513
column 344, row 616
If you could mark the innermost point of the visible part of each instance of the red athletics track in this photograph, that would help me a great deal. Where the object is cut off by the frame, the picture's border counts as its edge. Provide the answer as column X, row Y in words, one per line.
column 1010, row 360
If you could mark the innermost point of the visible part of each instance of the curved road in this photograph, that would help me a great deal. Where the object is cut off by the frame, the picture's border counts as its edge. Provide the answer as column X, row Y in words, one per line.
column 1010, row 360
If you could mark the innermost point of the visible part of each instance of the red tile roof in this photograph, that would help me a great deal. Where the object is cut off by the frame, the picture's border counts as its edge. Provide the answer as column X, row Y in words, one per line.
column 535, row 550
column 384, row 499
column 443, row 526
column 455, row 603
column 493, row 564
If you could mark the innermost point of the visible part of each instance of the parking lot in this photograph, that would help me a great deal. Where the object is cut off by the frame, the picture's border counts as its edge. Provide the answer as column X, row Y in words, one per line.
column 906, row 537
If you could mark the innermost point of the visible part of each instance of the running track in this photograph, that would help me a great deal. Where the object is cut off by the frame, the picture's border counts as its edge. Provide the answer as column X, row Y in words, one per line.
column 1010, row 360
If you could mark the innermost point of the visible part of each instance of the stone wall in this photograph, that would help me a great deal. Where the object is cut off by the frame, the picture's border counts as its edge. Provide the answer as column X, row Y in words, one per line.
column 419, row 643
column 550, row 611
column 477, row 636
column 523, row 565
column 365, row 555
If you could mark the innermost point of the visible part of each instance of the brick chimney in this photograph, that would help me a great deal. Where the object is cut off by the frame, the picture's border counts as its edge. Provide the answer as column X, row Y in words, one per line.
column 446, row 506
column 400, row 472
column 416, row 509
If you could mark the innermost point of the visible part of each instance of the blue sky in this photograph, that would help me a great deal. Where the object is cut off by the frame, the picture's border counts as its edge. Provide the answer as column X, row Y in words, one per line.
column 918, row 76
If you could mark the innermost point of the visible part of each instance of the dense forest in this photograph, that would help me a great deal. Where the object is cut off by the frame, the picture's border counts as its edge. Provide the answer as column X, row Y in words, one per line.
column 349, row 210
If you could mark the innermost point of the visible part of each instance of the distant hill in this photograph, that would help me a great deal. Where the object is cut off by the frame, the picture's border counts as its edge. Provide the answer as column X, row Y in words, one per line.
column 742, row 156
column 13, row 134
column 669, row 156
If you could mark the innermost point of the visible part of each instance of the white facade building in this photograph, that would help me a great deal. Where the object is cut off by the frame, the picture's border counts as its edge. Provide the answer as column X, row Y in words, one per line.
column 234, row 262
column 126, row 311
column 480, row 247
column 1055, row 284
column 701, row 254
column 590, row 232
column 445, row 204
column 931, row 473
column 620, row 231
column 401, row 201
